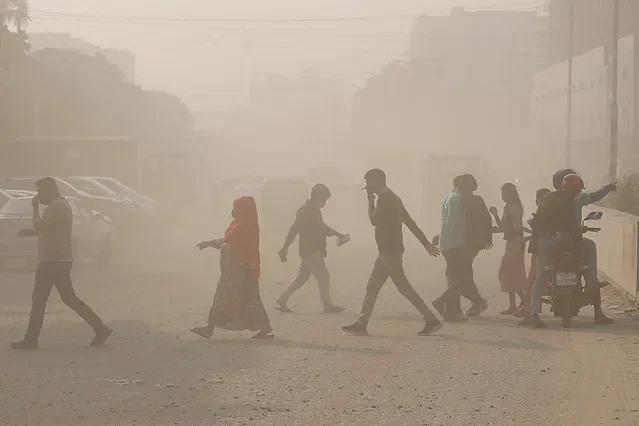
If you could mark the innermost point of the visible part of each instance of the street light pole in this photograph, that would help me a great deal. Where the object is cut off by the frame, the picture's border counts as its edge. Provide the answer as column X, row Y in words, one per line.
column 569, row 99
column 614, row 104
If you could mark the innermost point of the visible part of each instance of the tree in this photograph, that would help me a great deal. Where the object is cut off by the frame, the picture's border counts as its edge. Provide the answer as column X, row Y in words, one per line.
column 14, row 14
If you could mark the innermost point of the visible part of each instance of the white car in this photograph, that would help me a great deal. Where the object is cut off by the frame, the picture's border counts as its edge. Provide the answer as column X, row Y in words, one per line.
column 92, row 232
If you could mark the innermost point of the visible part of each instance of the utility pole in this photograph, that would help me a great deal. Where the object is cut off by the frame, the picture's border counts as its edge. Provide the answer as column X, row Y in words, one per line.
column 569, row 100
column 614, row 104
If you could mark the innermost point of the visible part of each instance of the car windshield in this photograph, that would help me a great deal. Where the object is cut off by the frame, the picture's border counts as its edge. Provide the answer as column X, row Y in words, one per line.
column 120, row 188
column 93, row 188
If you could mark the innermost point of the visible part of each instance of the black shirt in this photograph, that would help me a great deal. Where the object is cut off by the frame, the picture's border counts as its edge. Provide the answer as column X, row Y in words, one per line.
column 312, row 230
column 479, row 223
column 557, row 214
column 388, row 218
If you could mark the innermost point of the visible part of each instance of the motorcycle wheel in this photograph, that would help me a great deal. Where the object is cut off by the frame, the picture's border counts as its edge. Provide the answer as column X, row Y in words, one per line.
column 567, row 310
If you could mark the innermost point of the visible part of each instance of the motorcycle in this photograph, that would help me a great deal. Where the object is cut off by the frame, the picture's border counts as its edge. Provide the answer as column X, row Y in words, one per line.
column 566, row 291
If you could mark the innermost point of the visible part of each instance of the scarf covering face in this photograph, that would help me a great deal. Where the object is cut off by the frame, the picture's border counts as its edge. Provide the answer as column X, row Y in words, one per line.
column 243, row 234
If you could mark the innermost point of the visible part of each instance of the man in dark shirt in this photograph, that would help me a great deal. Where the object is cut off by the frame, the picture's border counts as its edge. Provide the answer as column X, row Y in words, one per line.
column 555, row 223
column 388, row 217
column 54, row 230
column 312, row 231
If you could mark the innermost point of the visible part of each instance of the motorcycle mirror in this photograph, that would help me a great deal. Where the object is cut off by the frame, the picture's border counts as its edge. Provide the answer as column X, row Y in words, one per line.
column 594, row 216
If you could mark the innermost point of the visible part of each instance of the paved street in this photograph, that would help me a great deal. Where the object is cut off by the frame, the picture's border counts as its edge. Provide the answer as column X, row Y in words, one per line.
column 154, row 372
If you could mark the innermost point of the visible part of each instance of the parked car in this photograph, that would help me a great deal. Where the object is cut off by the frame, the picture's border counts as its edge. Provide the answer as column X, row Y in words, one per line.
column 92, row 187
column 122, row 212
column 4, row 197
column 125, row 191
column 92, row 232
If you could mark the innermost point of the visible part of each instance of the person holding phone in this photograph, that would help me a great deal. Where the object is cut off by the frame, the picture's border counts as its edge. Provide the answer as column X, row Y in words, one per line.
column 55, row 258
column 388, row 215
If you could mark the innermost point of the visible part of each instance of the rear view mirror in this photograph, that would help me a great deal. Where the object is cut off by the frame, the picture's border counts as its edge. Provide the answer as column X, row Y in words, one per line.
column 594, row 216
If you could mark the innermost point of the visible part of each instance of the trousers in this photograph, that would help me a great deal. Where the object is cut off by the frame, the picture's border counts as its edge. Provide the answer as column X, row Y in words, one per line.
column 391, row 265
column 460, row 278
column 315, row 265
column 58, row 274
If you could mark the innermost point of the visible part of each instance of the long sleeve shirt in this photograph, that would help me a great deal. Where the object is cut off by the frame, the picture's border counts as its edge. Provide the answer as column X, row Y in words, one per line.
column 309, row 225
column 54, row 231
column 586, row 198
column 388, row 217
column 557, row 214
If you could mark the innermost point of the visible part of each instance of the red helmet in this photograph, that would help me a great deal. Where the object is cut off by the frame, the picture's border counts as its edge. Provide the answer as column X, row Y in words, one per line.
column 573, row 182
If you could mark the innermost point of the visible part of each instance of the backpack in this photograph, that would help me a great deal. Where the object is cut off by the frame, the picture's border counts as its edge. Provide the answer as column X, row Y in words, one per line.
column 479, row 223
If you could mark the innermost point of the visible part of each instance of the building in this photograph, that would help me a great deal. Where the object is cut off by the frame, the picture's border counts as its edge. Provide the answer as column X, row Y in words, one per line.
column 592, row 25
column 488, row 46
column 592, row 37
column 122, row 59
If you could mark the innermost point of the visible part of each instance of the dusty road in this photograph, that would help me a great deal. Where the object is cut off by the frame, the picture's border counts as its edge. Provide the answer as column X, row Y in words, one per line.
column 154, row 372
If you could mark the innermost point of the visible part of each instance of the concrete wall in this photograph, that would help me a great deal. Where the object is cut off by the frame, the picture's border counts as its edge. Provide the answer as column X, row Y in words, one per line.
column 617, row 248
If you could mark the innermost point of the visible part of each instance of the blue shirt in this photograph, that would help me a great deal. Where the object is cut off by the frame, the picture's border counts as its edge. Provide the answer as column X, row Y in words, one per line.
column 453, row 233
column 585, row 198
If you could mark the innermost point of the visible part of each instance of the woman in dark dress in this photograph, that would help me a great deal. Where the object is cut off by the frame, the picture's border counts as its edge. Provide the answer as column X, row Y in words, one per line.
column 237, row 304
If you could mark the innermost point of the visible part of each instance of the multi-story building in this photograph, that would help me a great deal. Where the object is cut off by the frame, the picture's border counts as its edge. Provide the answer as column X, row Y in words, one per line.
column 592, row 68
column 592, row 25
column 122, row 59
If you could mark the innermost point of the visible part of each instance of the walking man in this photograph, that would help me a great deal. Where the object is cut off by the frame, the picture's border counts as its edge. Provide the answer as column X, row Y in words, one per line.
column 54, row 229
column 309, row 225
column 388, row 217
column 466, row 229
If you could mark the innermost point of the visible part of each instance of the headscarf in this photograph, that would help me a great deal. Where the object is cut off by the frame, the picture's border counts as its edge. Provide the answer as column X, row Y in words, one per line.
column 243, row 234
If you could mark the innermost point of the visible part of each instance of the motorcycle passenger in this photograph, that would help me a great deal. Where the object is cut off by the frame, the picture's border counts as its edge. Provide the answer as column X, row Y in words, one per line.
column 590, row 248
column 555, row 224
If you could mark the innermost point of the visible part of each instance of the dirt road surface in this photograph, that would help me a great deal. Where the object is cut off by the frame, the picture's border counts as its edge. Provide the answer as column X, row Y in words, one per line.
column 154, row 372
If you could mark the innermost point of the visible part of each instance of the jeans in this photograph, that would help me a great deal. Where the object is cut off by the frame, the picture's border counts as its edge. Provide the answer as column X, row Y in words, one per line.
column 460, row 279
column 315, row 265
column 546, row 245
column 391, row 265
column 58, row 274
column 590, row 274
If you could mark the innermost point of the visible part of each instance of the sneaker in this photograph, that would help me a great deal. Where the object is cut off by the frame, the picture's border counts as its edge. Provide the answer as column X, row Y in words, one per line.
column 24, row 345
column 532, row 321
column 602, row 319
column 477, row 308
column 458, row 317
column 334, row 309
column 282, row 307
column 101, row 336
column 206, row 332
column 537, row 322
column 266, row 334
column 430, row 327
column 526, row 321
column 440, row 306
column 356, row 328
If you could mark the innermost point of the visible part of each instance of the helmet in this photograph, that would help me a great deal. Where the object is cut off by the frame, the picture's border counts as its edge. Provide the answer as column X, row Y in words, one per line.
column 573, row 182
column 558, row 177
column 320, row 192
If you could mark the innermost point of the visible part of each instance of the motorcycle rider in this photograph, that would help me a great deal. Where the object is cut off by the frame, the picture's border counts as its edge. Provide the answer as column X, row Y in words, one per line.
column 555, row 223
column 589, row 246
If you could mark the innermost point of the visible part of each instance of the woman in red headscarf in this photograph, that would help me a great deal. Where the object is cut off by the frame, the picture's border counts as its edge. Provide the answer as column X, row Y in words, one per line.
column 237, row 304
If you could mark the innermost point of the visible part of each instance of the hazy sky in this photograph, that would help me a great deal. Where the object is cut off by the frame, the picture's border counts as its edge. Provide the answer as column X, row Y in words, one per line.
column 206, row 52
